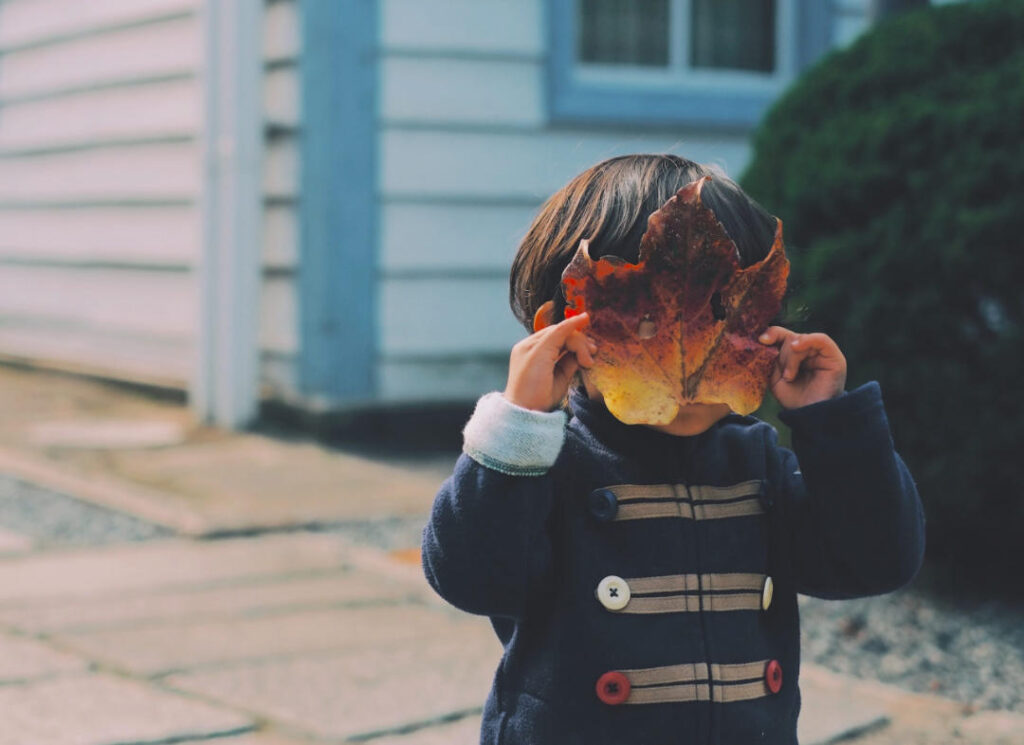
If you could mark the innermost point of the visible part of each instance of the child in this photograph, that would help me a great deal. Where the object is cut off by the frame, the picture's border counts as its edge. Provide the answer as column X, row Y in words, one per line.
column 714, row 527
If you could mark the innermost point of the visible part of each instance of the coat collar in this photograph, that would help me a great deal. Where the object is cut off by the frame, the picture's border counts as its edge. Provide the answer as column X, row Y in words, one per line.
column 635, row 438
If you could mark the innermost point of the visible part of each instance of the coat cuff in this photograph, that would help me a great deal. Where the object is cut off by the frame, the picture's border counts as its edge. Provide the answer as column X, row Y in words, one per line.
column 838, row 414
column 513, row 440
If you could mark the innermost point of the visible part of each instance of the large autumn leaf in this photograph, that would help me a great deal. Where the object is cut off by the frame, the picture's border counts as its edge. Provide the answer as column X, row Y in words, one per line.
column 681, row 325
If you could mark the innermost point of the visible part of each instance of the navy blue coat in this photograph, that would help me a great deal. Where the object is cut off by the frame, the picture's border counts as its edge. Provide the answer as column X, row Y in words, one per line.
column 707, row 648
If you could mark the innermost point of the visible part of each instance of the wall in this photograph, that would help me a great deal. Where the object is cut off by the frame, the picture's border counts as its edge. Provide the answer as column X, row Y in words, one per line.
column 279, row 345
column 466, row 158
column 99, row 184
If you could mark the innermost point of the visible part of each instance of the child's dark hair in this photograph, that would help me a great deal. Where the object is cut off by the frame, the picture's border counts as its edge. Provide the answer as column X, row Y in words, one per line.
column 609, row 204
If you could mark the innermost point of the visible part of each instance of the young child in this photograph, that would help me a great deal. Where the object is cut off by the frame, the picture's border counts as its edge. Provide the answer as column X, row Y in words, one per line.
column 642, row 578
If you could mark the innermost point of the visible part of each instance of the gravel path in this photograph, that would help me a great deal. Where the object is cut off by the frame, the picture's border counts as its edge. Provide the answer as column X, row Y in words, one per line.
column 970, row 651
column 52, row 519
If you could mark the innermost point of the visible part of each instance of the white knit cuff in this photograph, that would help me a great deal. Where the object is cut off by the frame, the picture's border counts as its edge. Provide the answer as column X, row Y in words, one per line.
column 511, row 439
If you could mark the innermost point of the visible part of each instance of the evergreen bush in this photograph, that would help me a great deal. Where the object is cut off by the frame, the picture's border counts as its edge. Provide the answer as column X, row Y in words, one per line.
column 897, row 167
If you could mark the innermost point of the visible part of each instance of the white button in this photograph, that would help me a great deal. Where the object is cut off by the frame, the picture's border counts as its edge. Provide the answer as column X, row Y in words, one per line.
column 613, row 592
column 766, row 593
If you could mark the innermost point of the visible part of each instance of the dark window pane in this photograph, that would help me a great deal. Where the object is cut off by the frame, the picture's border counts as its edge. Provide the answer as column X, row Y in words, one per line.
column 733, row 34
column 623, row 32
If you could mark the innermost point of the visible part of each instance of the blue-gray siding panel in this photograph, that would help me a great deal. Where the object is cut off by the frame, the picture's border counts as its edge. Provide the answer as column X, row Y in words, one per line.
column 338, row 206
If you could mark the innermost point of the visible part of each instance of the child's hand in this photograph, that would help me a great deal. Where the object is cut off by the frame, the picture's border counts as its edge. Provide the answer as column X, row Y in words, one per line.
column 542, row 364
column 810, row 367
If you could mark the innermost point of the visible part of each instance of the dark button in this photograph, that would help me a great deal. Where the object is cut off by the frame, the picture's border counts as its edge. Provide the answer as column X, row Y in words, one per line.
column 603, row 505
column 765, row 495
column 613, row 688
column 773, row 676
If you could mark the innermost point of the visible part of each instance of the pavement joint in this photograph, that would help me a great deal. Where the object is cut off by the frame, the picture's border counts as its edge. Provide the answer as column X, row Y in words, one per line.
column 419, row 726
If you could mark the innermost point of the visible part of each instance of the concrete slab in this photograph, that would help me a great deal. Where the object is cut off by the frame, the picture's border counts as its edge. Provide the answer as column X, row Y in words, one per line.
column 827, row 694
column 465, row 731
column 253, row 481
column 252, row 597
column 831, row 711
column 256, row 738
column 14, row 543
column 159, row 649
column 995, row 727
column 104, row 710
column 99, row 486
column 63, row 575
column 107, row 434
column 363, row 692
column 27, row 659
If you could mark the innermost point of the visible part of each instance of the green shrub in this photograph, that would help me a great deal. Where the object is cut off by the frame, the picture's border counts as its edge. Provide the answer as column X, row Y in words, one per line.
column 897, row 167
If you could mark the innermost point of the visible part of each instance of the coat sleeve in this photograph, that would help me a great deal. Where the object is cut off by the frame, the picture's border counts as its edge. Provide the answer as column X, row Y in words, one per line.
column 486, row 546
column 852, row 520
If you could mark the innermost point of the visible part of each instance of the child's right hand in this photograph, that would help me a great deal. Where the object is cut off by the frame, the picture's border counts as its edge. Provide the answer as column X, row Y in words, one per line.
column 542, row 364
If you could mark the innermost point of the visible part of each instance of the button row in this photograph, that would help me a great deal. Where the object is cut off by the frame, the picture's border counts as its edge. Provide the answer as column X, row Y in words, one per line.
column 614, row 593
column 614, row 688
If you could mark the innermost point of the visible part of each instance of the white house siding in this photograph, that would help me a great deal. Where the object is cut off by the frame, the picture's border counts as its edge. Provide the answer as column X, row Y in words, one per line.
column 852, row 18
column 466, row 158
column 99, row 183
column 279, row 345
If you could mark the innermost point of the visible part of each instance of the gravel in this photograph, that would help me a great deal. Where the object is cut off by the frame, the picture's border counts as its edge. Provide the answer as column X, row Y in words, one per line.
column 52, row 519
column 967, row 650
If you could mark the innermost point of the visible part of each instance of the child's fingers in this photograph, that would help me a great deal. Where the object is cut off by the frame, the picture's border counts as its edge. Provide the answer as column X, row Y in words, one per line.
column 565, row 368
column 806, row 346
column 790, row 358
column 561, row 331
column 551, row 338
column 582, row 347
column 775, row 334
column 822, row 343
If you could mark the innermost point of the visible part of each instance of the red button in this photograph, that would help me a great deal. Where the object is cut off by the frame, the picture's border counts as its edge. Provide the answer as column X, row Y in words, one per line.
column 613, row 688
column 773, row 676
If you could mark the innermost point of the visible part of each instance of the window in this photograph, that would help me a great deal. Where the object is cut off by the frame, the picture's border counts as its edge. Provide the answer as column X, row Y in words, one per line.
column 713, row 62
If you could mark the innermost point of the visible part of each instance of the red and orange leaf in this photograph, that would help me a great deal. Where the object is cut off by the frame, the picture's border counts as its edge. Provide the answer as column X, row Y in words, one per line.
column 681, row 325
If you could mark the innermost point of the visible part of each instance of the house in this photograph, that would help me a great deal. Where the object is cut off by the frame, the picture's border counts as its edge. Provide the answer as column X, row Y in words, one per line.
column 316, row 202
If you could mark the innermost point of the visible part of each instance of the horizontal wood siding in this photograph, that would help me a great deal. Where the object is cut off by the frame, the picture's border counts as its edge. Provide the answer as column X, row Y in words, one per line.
column 852, row 18
column 99, row 181
column 466, row 158
column 279, row 345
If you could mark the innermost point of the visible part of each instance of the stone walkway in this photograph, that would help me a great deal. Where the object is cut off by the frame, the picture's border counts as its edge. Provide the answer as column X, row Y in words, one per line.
column 247, row 628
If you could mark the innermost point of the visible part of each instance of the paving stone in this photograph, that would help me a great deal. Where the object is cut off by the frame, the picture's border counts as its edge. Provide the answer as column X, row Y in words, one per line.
column 364, row 691
column 998, row 726
column 156, row 649
column 25, row 659
column 256, row 738
column 104, row 710
column 14, row 543
column 107, row 434
column 249, row 598
column 171, row 563
column 829, row 715
column 251, row 480
column 465, row 731
column 837, row 707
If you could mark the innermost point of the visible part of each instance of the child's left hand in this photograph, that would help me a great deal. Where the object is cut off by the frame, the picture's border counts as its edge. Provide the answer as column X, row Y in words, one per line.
column 810, row 367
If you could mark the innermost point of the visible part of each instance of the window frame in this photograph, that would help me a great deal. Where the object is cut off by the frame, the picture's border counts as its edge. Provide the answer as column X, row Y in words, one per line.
column 639, row 95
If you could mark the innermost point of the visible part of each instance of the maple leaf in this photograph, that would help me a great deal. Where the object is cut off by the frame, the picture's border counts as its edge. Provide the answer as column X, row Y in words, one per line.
column 681, row 325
